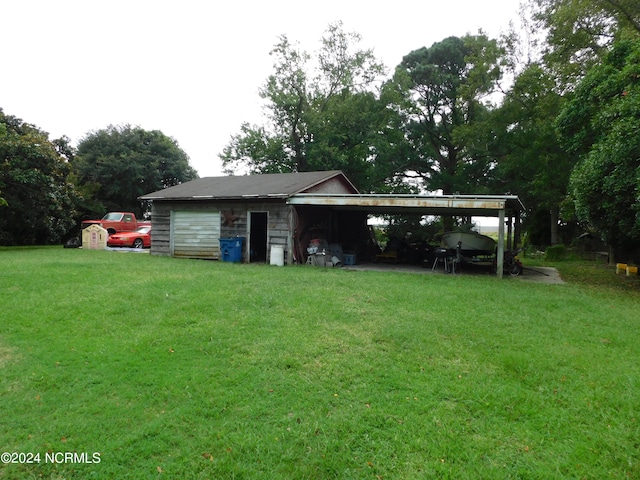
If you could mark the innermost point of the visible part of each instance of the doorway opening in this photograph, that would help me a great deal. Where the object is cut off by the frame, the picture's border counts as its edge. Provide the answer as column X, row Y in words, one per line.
column 258, row 237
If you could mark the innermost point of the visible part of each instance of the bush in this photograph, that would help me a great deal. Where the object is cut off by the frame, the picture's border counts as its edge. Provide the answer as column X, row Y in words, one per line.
column 556, row 252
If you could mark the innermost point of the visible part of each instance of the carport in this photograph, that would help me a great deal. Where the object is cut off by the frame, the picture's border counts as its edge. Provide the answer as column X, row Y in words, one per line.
column 507, row 208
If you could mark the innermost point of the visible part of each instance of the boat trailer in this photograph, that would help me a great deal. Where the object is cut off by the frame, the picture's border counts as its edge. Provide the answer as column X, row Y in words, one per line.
column 453, row 259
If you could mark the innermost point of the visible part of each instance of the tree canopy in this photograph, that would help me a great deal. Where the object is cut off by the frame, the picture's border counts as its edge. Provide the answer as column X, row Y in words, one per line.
column 120, row 163
column 580, row 32
column 327, row 117
column 48, row 186
column 38, row 199
column 445, row 118
column 530, row 159
column 443, row 91
column 602, row 124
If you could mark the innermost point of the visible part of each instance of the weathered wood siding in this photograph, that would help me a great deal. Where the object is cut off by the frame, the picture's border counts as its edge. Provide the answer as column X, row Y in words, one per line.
column 198, row 238
column 278, row 230
column 233, row 220
column 233, row 223
column 161, row 229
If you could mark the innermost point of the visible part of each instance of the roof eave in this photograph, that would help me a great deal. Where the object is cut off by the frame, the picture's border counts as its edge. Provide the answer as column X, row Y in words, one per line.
column 271, row 196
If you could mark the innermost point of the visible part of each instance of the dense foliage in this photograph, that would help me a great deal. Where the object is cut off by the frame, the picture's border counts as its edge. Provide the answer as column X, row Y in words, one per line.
column 325, row 118
column 48, row 186
column 529, row 159
column 442, row 90
column 602, row 124
column 472, row 115
column 38, row 203
column 119, row 164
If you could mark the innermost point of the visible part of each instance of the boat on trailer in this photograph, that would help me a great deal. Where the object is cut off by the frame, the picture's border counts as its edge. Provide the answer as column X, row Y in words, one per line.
column 472, row 244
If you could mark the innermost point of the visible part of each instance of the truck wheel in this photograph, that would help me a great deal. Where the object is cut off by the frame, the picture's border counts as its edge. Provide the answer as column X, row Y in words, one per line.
column 138, row 243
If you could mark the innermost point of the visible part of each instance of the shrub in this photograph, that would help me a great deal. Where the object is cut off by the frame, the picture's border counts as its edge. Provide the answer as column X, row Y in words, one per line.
column 555, row 252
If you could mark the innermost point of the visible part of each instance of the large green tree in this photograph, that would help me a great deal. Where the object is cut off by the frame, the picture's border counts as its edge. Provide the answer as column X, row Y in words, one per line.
column 602, row 124
column 327, row 117
column 578, row 33
column 530, row 161
column 34, row 179
column 559, row 42
column 443, row 92
column 120, row 163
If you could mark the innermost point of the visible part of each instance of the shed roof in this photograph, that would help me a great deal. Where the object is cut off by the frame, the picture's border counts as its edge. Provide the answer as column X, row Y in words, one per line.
column 273, row 185
column 472, row 205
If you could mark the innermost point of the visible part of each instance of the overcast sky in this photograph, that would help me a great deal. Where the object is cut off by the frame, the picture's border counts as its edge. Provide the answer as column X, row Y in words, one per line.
column 192, row 68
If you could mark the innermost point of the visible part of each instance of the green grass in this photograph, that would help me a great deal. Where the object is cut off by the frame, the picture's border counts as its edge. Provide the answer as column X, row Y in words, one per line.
column 199, row 370
column 590, row 274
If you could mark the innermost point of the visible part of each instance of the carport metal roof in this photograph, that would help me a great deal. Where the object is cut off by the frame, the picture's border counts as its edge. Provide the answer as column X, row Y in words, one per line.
column 499, row 206
column 456, row 205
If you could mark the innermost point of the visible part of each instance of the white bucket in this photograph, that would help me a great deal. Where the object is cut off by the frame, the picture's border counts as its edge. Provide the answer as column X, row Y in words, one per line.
column 277, row 255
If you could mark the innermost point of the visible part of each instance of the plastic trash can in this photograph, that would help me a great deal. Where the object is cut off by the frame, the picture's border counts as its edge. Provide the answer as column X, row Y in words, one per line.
column 231, row 249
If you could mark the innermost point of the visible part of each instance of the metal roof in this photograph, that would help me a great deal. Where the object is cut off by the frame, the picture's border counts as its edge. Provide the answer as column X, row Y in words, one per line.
column 274, row 185
column 472, row 205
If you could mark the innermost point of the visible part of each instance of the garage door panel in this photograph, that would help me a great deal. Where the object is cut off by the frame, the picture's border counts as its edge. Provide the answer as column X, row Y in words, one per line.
column 195, row 234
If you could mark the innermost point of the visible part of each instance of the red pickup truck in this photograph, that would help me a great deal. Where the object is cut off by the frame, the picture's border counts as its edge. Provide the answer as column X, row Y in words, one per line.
column 114, row 222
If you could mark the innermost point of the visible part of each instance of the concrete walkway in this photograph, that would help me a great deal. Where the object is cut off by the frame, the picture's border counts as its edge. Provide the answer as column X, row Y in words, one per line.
column 540, row 275
column 530, row 274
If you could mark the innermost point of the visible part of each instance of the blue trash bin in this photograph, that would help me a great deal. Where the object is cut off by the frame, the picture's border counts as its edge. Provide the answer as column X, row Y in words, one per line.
column 231, row 249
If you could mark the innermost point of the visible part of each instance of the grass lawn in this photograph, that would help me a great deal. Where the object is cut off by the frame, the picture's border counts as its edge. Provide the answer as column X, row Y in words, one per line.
column 166, row 368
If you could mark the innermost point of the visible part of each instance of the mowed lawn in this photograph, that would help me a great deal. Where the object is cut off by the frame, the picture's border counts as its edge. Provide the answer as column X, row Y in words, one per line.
column 144, row 367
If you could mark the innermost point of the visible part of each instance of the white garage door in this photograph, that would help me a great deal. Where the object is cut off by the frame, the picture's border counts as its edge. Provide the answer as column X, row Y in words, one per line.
column 195, row 234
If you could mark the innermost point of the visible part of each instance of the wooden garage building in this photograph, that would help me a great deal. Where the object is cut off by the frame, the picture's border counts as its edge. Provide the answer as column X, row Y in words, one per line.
column 289, row 210
column 190, row 219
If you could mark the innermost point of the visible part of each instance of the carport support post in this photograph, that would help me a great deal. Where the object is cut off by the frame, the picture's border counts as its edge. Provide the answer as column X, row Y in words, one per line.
column 290, row 246
column 500, row 259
